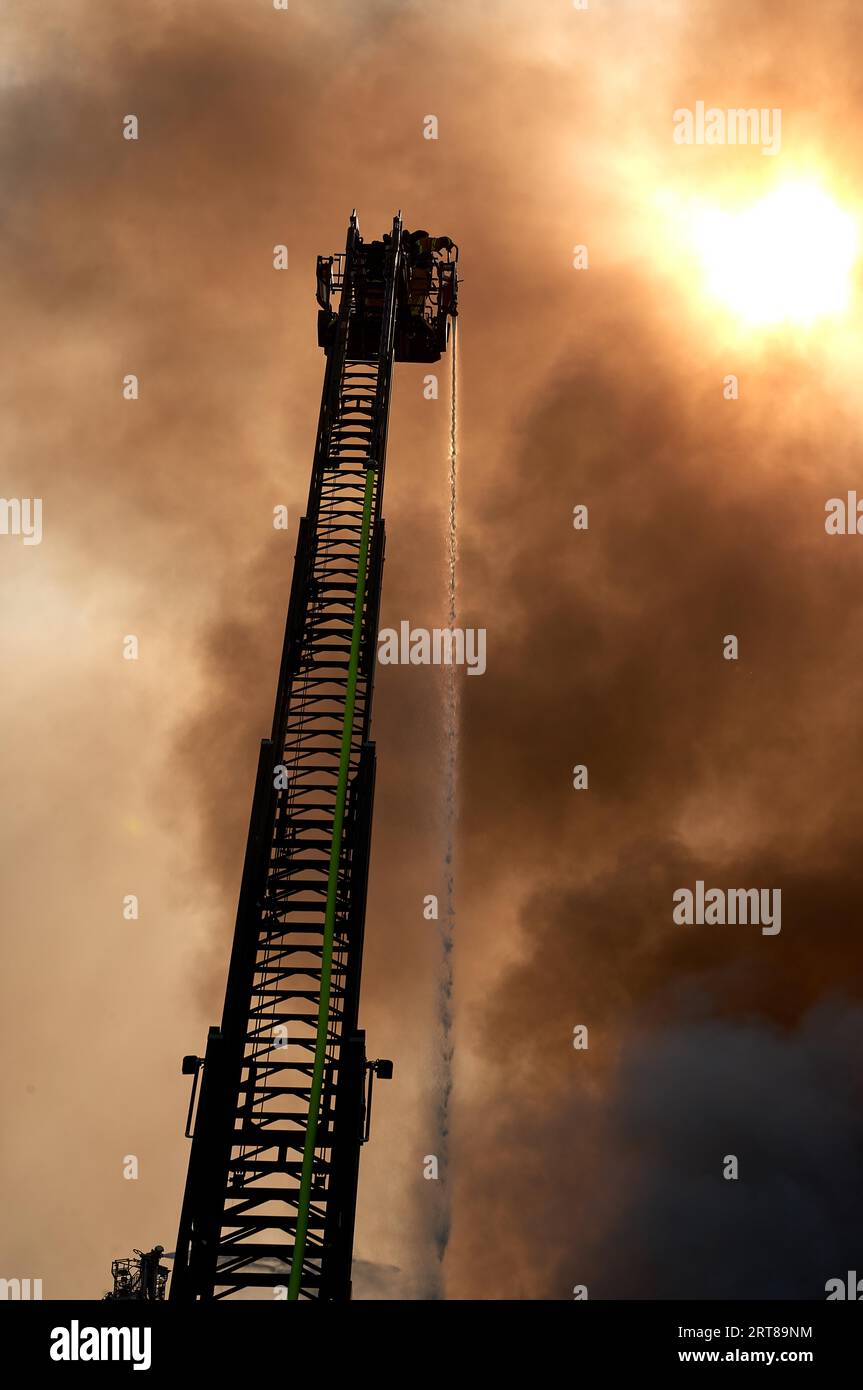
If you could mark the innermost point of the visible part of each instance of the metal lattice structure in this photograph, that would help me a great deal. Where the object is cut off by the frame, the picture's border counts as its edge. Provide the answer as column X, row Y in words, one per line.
column 285, row 1085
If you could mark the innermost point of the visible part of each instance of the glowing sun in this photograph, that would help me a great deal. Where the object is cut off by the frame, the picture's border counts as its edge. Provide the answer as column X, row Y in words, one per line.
column 787, row 258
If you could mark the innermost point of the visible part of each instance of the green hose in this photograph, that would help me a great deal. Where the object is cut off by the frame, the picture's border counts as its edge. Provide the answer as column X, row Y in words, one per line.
column 330, row 916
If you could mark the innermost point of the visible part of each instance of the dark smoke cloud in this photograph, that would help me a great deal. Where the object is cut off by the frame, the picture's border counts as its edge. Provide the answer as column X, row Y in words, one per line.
column 702, row 523
column 622, row 1190
column 604, row 647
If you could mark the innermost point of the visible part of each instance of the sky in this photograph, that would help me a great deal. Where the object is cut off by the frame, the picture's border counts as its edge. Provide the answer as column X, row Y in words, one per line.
column 604, row 386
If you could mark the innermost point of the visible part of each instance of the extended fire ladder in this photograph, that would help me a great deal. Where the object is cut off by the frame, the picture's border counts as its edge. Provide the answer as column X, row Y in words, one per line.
column 284, row 1088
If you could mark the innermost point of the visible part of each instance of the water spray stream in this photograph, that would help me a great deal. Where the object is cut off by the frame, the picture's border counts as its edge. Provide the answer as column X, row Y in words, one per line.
column 450, row 817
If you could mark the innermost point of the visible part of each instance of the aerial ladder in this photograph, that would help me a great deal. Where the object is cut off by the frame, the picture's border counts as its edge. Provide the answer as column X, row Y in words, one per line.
column 281, row 1099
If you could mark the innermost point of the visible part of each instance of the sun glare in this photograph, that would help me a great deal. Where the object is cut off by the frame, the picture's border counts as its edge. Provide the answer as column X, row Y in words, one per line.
column 787, row 258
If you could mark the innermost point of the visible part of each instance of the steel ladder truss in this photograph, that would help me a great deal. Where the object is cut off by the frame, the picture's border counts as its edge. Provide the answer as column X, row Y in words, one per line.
column 272, row 1180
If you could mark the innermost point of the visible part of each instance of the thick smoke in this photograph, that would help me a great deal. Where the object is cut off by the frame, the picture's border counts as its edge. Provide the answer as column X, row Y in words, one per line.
column 604, row 647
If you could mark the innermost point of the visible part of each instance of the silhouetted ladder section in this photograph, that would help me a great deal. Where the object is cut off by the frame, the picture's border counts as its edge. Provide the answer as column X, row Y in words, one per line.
column 271, row 1190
